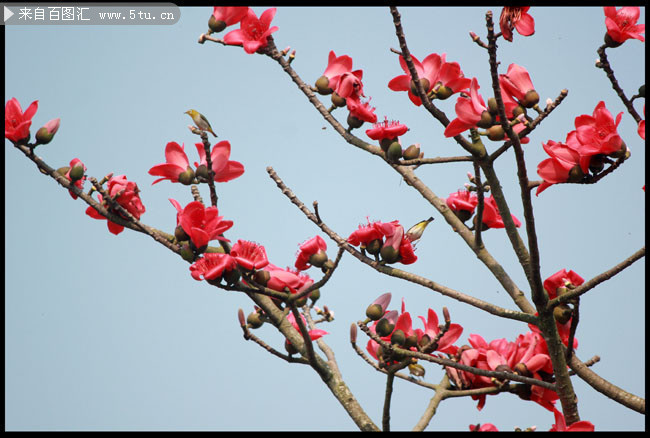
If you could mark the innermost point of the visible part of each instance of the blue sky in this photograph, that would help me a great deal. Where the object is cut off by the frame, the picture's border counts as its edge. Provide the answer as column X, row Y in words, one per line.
column 107, row 332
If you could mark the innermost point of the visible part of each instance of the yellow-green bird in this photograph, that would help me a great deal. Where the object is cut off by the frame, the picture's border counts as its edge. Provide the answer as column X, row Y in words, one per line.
column 200, row 121
column 415, row 232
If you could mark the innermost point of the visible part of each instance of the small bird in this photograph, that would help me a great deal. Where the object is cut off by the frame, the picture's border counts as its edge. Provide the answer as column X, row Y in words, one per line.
column 415, row 232
column 200, row 121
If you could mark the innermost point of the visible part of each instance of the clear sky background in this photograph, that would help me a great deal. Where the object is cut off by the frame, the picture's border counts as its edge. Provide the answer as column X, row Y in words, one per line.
column 107, row 332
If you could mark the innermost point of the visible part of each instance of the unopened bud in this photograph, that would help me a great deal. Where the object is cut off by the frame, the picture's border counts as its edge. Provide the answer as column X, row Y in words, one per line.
column 412, row 152
column 314, row 295
column 254, row 320
column 262, row 277
column 77, row 172
column 492, row 106
column 241, row 317
column 384, row 327
column 398, row 337
column 323, row 86
column 374, row 246
column 45, row 134
column 337, row 100
column 642, row 91
column 374, row 312
column 445, row 314
column 353, row 333
column 530, row 99
column 486, row 120
column 496, row 133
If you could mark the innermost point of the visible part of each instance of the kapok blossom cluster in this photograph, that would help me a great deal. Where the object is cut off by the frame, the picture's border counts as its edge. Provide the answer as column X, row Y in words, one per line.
column 385, row 239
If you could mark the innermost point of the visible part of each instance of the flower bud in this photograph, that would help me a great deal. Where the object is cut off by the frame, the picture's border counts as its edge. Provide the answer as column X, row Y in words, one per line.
column 398, row 337
column 45, row 134
column 314, row 295
column 412, row 152
column 254, row 320
column 384, row 327
column 425, row 85
column 493, row 108
column 530, row 99
column 215, row 25
column 63, row 170
column 301, row 301
column 389, row 254
column 411, row 341
column 337, row 100
column 562, row 313
column 241, row 317
column 374, row 312
column 353, row 122
column 486, row 120
column 323, row 86
column 77, row 172
column 642, row 91
column 394, row 152
column 186, row 178
column 496, row 133
column 353, row 333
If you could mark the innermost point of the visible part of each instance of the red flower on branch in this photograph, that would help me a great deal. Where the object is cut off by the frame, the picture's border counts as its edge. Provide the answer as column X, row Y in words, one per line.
column 228, row 15
column 177, row 164
column 516, row 18
column 562, row 166
column 78, row 182
column 362, row 111
column 249, row 255
column 517, row 84
column 212, row 266
column 224, row 169
column 386, row 129
column 126, row 194
column 202, row 224
column 491, row 215
column 468, row 111
column 253, row 32
column 17, row 122
column 578, row 426
column 621, row 24
column 311, row 252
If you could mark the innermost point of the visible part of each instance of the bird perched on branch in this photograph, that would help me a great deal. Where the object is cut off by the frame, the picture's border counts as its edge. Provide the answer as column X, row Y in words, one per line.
column 200, row 121
column 415, row 232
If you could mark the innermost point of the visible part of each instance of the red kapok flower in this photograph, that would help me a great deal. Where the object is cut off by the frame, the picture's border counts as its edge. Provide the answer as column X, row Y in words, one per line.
column 427, row 71
column 485, row 427
column 313, row 334
column 431, row 329
column 17, row 122
column 491, row 216
column 578, row 426
column 212, row 266
column 128, row 198
column 224, row 169
column 362, row 111
column 76, row 162
column 253, row 32
column 561, row 278
column 463, row 203
column 386, row 129
column 621, row 24
column 364, row 235
column 312, row 247
column 249, row 255
column 176, row 164
column 516, row 82
column 336, row 66
column 228, row 15
column 516, row 18
column 203, row 224
column 598, row 133
column 563, row 165
column 468, row 111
